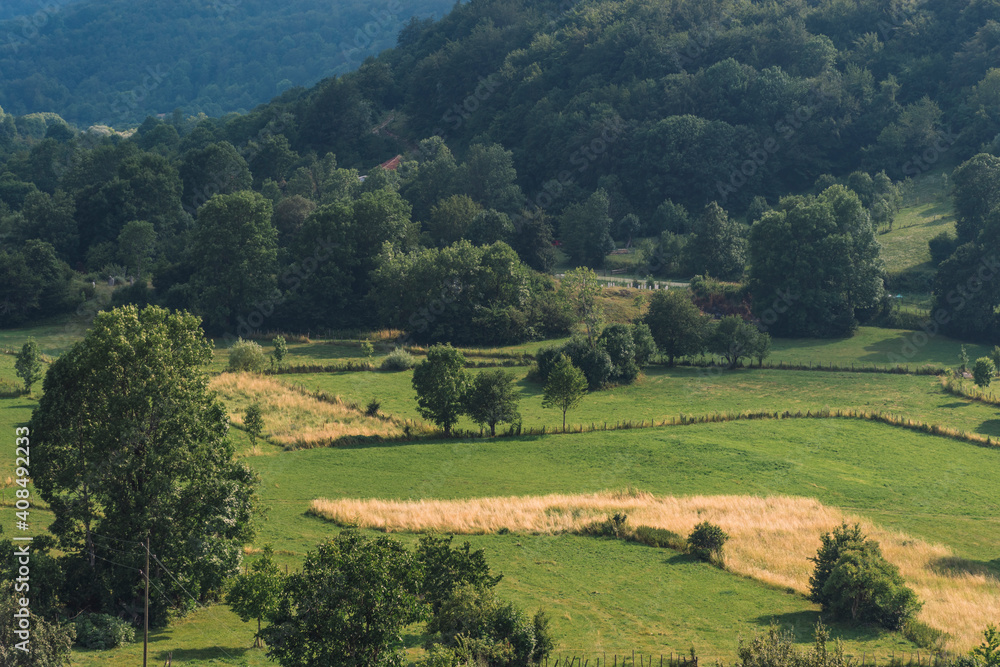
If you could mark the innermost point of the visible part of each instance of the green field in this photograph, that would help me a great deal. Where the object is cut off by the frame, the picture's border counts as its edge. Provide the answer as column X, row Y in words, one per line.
column 613, row 596
column 905, row 247
column 663, row 393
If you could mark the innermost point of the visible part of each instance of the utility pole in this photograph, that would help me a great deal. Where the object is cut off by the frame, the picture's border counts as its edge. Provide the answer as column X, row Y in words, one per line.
column 145, row 632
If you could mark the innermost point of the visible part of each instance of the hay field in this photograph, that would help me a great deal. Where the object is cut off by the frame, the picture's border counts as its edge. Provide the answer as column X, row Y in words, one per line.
column 297, row 419
column 771, row 540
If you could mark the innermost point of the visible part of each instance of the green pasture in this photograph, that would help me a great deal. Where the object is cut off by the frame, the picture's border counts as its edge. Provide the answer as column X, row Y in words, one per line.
column 905, row 249
column 662, row 393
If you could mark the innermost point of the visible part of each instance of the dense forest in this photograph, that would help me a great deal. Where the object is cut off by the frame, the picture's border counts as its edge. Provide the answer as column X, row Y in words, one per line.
column 114, row 62
column 31, row 11
column 516, row 123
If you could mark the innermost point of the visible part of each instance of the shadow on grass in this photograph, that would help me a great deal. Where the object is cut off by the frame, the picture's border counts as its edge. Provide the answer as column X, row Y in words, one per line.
column 212, row 653
column 953, row 566
column 989, row 427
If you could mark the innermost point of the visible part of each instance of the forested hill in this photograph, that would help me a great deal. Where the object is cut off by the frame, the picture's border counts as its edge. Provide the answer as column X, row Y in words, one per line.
column 656, row 99
column 33, row 11
column 116, row 61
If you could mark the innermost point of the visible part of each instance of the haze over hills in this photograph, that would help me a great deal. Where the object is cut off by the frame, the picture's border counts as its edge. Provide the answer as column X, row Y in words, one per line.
column 36, row 11
column 116, row 61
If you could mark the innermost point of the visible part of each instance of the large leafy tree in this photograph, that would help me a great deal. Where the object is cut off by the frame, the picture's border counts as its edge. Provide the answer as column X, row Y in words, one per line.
column 678, row 327
column 491, row 398
column 718, row 247
column 334, row 254
column 347, row 606
column 585, row 230
column 216, row 169
column 734, row 339
column 462, row 294
column 235, row 249
column 440, row 381
column 977, row 193
column 815, row 263
column 131, row 444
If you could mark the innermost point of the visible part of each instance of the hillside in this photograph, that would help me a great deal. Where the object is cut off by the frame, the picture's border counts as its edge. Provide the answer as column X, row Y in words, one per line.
column 114, row 62
column 694, row 102
column 33, row 10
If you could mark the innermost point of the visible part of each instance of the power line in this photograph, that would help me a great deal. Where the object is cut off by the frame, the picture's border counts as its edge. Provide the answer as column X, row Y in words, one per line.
column 164, row 568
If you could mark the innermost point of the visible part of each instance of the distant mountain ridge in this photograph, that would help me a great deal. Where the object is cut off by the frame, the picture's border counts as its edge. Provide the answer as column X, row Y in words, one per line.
column 115, row 62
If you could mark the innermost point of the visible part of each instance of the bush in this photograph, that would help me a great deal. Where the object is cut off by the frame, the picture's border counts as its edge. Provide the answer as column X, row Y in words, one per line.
column 924, row 635
column 706, row 542
column 942, row 246
column 613, row 526
column 659, row 538
column 398, row 360
column 246, row 355
column 371, row 410
column 854, row 582
column 102, row 632
column 545, row 361
column 831, row 546
column 983, row 372
column 775, row 648
column 866, row 588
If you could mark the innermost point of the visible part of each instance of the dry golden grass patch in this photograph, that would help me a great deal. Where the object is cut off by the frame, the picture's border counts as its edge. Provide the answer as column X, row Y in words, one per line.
column 771, row 540
column 295, row 418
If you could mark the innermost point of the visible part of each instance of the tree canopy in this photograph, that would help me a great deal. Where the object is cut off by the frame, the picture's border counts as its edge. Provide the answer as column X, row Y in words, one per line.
column 130, row 443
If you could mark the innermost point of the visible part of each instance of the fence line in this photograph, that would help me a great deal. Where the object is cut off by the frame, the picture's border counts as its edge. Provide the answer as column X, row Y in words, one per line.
column 681, row 659
column 721, row 417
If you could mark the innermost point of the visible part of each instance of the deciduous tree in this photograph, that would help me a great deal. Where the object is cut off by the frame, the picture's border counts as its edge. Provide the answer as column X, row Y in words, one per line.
column 440, row 381
column 28, row 364
column 130, row 443
column 347, row 606
column 255, row 594
column 678, row 327
column 565, row 388
column 491, row 398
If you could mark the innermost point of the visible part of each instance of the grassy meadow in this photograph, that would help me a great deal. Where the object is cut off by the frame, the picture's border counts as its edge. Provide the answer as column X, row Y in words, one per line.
column 933, row 502
column 665, row 392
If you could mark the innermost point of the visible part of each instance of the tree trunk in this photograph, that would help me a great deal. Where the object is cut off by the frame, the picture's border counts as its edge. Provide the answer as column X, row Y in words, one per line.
column 493, row 429
column 256, row 640
column 564, row 421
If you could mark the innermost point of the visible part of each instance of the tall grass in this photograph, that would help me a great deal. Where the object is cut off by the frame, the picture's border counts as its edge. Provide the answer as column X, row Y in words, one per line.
column 297, row 418
column 771, row 540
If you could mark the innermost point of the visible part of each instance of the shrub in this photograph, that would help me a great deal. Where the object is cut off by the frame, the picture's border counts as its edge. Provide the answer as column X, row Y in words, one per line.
column 831, row 546
column 925, row 636
column 775, row 648
column 988, row 653
column 866, row 588
column 246, row 355
column 253, row 422
column 398, row 360
column 983, row 372
column 102, row 632
column 545, row 361
column 942, row 246
column 372, row 408
column 706, row 541
column 659, row 538
column 854, row 582
column 613, row 526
